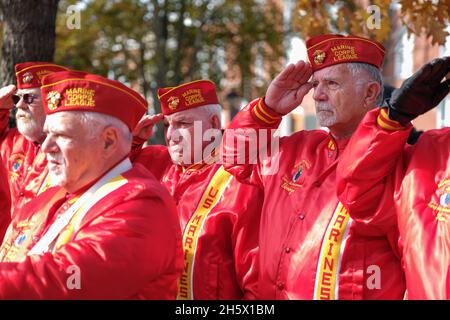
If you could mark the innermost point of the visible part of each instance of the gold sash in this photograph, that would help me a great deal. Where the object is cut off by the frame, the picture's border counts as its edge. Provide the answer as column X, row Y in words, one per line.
column 208, row 201
column 108, row 183
column 327, row 274
column 67, row 233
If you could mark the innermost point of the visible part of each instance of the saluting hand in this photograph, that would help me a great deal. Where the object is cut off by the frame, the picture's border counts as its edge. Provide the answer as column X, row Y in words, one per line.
column 144, row 129
column 5, row 97
column 287, row 90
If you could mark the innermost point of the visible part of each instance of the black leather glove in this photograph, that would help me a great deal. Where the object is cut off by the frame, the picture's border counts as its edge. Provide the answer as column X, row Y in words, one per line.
column 420, row 92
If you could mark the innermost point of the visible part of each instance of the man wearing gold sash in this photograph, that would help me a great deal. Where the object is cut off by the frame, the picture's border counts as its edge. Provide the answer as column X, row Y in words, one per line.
column 219, row 216
column 309, row 246
column 20, row 148
column 109, row 231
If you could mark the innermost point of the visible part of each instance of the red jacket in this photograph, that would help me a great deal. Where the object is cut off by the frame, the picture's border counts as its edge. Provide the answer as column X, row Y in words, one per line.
column 309, row 247
column 24, row 161
column 26, row 164
column 128, row 246
column 381, row 171
column 224, row 264
column 5, row 202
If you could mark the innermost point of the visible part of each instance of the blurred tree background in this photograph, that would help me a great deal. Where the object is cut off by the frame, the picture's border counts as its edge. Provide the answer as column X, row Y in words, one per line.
column 158, row 43
column 313, row 17
column 27, row 33
column 162, row 43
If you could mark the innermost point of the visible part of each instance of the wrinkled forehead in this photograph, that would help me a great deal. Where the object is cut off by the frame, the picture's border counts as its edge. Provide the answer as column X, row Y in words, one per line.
column 336, row 71
column 64, row 121
column 186, row 115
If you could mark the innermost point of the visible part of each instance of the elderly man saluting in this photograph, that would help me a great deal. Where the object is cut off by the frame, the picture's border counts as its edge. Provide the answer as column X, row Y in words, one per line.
column 20, row 148
column 109, row 221
column 309, row 246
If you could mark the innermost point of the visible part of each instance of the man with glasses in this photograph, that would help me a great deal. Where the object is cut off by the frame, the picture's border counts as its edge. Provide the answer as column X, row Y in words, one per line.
column 108, row 229
column 20, row 147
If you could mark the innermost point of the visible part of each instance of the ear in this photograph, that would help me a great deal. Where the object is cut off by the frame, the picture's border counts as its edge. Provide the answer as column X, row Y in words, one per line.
column 215, row 122
column 110, row 140
column 373, row 89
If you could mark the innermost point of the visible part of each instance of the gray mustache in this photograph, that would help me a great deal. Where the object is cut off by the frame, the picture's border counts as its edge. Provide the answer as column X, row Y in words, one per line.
column 23, row 114
column 318, row 109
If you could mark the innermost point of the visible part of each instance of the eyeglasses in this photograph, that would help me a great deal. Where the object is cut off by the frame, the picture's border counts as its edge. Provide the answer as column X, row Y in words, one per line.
column 28, row 98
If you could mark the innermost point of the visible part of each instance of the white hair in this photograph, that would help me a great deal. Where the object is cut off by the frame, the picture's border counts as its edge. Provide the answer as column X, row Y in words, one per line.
column 208, row 111
column 95, row 122
column 372, row 72
column 203, row 112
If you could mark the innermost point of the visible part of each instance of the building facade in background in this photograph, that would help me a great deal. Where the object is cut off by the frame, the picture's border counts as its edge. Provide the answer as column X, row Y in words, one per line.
column 404, row 56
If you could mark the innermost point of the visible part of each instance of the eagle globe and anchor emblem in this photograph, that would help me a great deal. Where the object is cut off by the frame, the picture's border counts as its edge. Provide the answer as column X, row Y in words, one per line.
column 442, row 204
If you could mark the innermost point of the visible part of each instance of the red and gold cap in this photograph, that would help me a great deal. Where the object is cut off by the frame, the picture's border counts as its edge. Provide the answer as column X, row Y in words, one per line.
column 187, row 96
column 30, row 74
column 329, row 49
column 81, row 91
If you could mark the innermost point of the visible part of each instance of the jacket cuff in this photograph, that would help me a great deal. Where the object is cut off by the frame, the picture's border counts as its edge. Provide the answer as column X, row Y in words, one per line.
column 137, row 142
column 386, row 123
column 264, row 114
